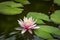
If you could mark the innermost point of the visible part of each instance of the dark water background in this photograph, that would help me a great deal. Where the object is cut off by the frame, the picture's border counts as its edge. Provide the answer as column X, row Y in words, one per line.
column 9, row 22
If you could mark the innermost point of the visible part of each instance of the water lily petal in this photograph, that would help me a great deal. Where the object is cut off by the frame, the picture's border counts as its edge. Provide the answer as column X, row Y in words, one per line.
column 18, row 28
column 23, row 31
column 30, row 19
column 32, row 26
column 35, row 27
column 30, row 31
column 25, row 19
column 21, row 23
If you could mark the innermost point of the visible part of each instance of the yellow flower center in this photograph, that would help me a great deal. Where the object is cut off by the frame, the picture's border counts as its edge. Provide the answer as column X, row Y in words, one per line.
column 27, row 21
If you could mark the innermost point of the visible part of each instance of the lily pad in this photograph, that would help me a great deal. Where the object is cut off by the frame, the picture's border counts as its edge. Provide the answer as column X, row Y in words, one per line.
column 56, row 16
column 42, row 34
column 10, row 10
column 35, row 16
column 11, row 4
column 57, row 1
column 50, row 29
column 38, row 16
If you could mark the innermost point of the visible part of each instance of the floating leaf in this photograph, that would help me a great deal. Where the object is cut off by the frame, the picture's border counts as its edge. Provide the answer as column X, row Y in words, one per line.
column 56, row 16
column 10, row 10
column 42, row 34
column 35, row 16
column 39, row 21
column 50, row 29
column 11, row 4
column 38, row 16
column 57, row 1
column 23, row 1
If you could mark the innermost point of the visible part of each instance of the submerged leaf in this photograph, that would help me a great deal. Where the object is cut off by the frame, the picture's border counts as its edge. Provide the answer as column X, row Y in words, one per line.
column 56, row 16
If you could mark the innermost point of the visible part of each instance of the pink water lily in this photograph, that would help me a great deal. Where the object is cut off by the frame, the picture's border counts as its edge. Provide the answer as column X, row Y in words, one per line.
column 27, row 24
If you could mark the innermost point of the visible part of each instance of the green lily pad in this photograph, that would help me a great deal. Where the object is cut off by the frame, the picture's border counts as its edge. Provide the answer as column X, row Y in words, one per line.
column 57, row 1
column 38, row 16
column 10, row 10
column 11, row 4
column 56, row 16
column 39, row 21
column 42, row 34
column 35, row 16
column 50, row 29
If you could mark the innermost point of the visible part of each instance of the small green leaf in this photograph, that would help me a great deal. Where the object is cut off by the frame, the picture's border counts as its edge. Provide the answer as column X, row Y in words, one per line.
column 23, row 1
column 57, row 1
column 10, row 10
column 56, row 16
column 42, row 34
column 50, row 29
column 11, row 4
